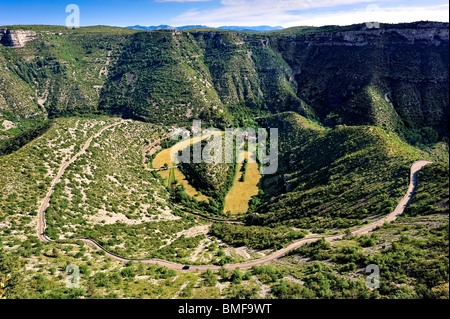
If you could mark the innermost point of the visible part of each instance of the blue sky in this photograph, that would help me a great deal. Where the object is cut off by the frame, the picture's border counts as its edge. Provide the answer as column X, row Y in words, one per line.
column 223, row 12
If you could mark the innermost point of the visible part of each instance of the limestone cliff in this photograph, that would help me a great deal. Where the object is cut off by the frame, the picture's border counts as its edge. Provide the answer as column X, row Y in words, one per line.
column 394, row 76
column 15, row 38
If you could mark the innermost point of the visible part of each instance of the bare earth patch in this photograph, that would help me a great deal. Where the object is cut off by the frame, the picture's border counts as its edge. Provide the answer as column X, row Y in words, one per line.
column 7, row 125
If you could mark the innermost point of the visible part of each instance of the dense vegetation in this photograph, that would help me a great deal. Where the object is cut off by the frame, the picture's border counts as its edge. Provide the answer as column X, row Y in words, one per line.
column 170, row 76
column 333, row 178
column 212, row 179
column 432, row 192
column 256, row 237
column 365, row 80
column 159, row 78
column 9, row 274
column 412, row 253
column 13, row 144
column 58, row 74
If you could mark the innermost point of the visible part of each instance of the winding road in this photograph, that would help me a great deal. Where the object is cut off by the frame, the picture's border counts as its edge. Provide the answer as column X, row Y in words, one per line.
column 415, row 168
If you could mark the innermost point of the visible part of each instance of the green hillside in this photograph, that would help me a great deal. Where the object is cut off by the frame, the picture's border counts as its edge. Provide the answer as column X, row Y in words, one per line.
column 59, row 73
column 333, row 178
column 339, row 75
column 434, row 180
column 412, row 252
column 360, row 93
column 160, row 77
column 212, row 179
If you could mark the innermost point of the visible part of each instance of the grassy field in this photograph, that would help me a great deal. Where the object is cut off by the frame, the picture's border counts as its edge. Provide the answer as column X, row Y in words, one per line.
column 242, row 191
column 162, row 158
column 237, row 200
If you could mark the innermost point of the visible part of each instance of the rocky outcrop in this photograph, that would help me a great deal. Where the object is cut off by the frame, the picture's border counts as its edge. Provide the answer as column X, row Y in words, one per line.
column 432, row 33
column 15, row 38
column 344, row 75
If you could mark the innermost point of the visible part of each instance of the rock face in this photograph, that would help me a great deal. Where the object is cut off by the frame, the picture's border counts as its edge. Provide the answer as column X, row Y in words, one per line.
column 15, row 38
column 393, row 76
column 431, row 33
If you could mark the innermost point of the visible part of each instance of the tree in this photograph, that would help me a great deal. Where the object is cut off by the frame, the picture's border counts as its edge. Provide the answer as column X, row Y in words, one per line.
column 128, row 272
column 9, row 275
column 210, row 278
column 101, row 279
column 90, row 289
column 55, row 253
column 236, row 277
column 223, row 273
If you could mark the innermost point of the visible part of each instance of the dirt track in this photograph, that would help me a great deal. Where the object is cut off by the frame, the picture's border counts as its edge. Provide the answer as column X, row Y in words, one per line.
column 62, row 169
column 415, row 168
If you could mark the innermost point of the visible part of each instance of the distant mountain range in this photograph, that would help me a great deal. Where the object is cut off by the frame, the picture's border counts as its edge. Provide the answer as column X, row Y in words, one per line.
column 262, row 28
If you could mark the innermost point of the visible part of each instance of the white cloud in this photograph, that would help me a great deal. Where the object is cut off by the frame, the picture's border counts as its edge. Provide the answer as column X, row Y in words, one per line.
column 297, row 12
column 383, row 15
